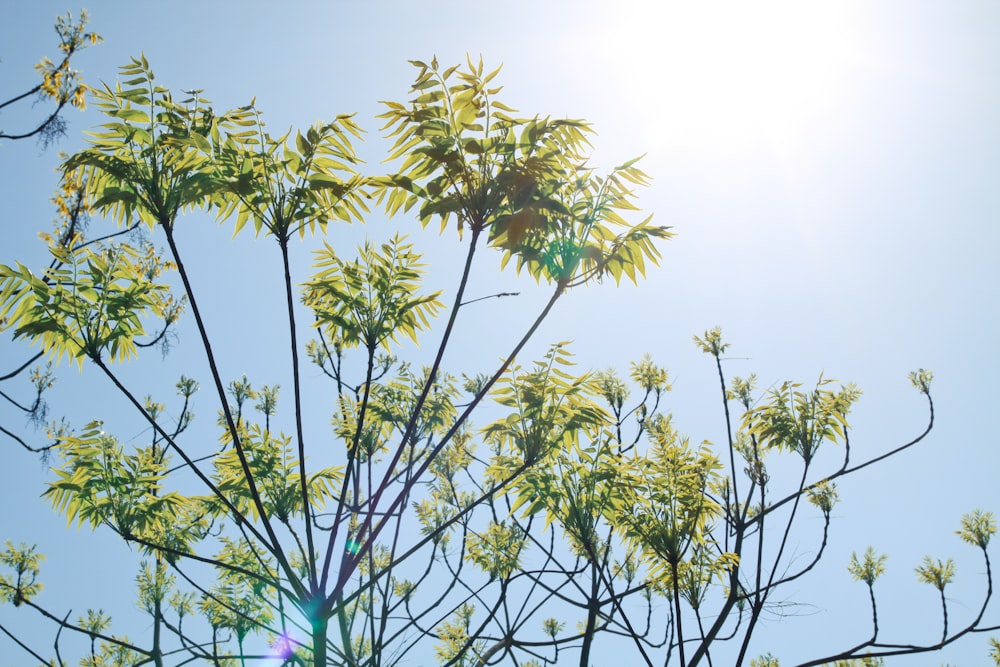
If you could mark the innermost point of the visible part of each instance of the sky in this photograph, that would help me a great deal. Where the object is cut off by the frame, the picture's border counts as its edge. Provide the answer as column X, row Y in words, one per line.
column 830, row 169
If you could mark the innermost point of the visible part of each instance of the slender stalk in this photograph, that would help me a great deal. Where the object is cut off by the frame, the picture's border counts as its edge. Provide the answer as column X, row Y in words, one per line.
column 187, row 460
column 760, row 595
column 740, row 530
column 415, row 416
column 871, row 595
column 944, row 612
column 24, row 95
column 310, row 555
column 616, row 602
column 701, row 633
column 349, row 563
column 729, row 429
column 889, row 650
column 727, row 607
column 37, row 130
column 274, row 545
column 593, row 605
column 20, row 643
column 352, row 456
column 457, row 518
column 65, row 624
column 847, row 471
column 345, row 636
column 20, row 441
column 677, row 612
column 157, row 626
column 20, row 368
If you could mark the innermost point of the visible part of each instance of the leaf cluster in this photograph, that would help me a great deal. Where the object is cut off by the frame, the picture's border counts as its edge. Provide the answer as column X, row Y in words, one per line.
column 372, row 300
column 522, row 181
column 90, row 302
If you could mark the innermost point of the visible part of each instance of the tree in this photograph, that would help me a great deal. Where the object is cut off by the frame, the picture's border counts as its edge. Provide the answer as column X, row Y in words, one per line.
column 61, row 85
column 403, row 529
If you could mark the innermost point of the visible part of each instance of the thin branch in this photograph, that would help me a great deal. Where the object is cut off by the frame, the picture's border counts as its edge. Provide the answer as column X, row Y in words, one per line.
column 498, row 295
column 24, row 646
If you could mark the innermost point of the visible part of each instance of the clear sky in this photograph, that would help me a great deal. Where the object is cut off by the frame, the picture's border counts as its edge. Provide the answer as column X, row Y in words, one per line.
column 831, row 170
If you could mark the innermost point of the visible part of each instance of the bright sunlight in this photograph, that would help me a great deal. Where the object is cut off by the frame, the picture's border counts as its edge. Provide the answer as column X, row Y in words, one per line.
column 729, row 75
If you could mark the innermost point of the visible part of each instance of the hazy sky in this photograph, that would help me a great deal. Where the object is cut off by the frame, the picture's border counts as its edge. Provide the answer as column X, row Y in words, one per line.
column 830, row 168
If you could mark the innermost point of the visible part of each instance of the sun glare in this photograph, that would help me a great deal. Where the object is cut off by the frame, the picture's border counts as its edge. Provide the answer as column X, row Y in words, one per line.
column 726, row 74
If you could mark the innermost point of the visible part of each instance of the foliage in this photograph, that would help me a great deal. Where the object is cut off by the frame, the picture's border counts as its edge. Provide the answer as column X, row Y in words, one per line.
column 869, row 568
column 60, row 84
column 92, row 302
column 404, row 530
column 524, row 181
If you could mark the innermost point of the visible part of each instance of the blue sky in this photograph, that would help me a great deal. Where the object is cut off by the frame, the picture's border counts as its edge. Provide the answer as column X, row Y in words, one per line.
column 830, row 170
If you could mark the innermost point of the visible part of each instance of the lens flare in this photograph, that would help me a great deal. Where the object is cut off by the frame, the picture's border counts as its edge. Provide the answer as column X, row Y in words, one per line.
column 283, row 647
column 353, row 547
